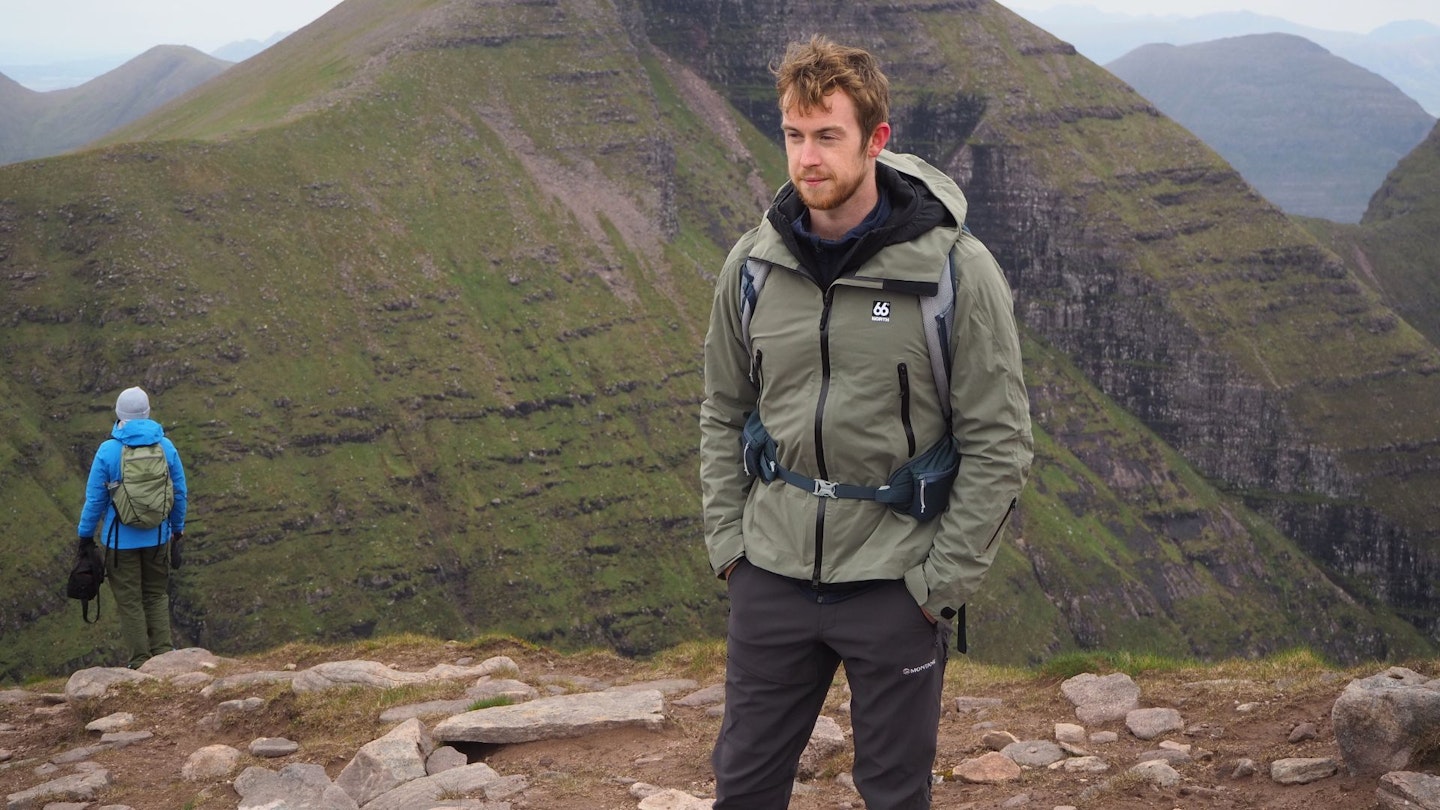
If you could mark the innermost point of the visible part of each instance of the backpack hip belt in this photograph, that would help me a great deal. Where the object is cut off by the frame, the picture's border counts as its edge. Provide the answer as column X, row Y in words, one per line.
column 920, row 488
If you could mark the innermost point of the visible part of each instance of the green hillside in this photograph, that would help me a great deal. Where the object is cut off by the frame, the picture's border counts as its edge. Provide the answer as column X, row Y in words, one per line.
column 419, row 293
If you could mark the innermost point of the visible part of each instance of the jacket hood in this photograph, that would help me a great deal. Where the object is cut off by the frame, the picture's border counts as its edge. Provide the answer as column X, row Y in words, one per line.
column 137, row 432
column 922, row 198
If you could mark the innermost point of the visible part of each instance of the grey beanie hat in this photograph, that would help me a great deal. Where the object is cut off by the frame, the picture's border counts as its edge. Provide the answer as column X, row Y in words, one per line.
column 132, row 404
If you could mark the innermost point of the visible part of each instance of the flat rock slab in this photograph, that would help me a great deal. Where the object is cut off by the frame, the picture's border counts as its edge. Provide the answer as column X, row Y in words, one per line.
column 373, row 674
column 1302, row 770
column 555, row 717
column 94, row 682
column 1409, row 790
column 181, row 662
column 1033, row 753
column 83, row 787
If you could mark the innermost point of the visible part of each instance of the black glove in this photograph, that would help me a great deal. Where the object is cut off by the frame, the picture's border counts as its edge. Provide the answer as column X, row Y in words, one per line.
column 85, row 544
column 175, row 549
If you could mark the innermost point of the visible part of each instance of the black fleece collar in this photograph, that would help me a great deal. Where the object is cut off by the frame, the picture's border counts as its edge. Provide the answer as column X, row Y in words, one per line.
column 913, row 211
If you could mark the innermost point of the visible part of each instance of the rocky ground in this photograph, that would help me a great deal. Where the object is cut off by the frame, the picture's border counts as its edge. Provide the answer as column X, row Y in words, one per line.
column 1258, row 711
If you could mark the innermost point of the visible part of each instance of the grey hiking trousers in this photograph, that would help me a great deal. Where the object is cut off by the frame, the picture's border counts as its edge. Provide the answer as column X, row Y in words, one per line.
column 784, row 645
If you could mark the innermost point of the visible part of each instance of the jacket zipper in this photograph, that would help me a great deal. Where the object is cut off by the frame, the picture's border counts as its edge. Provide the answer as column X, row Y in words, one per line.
column 819, row 434
column 905, row 407
column 755, row 371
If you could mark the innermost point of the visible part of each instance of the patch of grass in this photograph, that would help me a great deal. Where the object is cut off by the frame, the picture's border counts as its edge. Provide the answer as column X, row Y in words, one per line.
column 1068, row 665
column 698, row 660
column 490, row 703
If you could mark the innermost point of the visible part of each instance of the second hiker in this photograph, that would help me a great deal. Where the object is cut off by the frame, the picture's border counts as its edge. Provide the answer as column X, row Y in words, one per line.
column 136, row 494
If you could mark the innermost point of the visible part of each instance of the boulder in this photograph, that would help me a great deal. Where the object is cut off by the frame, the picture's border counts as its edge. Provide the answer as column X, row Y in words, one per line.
column 387, row 763
column 210, row 763
column 111, row 722
column 673, row 800
column 1101, row 699
column 476, row 778
column 1157, row 772
column 181, row 662
column 1382, row 721
column 989, row 769
column 826, row 740
column 296, row 785
column 1147, row 724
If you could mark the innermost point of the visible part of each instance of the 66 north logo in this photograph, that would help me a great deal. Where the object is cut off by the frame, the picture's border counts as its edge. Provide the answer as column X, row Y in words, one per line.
column 880, row 311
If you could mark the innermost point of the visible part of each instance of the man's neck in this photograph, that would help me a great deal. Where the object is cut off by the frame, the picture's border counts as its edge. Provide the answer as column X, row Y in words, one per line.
column 837, row 222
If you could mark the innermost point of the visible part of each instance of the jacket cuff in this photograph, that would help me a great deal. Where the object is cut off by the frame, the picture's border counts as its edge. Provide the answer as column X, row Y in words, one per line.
column 724, row 552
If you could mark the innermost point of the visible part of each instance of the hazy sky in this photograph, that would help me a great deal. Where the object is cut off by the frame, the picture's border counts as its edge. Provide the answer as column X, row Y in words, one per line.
column 39, row 31
column 42, row 31
column 1334, row 15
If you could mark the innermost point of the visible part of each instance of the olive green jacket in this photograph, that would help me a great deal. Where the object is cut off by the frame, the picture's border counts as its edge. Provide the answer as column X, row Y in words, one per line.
column 843, row 383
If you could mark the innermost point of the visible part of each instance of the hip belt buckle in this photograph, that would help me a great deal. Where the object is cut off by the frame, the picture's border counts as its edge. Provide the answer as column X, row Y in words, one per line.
column 825, row 489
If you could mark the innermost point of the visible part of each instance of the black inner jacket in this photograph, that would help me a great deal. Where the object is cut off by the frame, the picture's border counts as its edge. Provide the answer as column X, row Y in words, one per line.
column 913, row 211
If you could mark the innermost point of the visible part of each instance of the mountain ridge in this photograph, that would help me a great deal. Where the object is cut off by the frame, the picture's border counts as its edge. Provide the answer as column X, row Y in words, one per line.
column 1313, row 133
column 430, row 348
column 36, row 125
column 1403, row 51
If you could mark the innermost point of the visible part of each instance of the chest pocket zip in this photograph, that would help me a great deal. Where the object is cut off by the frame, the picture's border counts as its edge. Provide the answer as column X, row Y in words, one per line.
column 904, row 374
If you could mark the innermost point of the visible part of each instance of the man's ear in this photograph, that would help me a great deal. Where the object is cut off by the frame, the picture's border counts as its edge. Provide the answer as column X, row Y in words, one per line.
column 878, row 139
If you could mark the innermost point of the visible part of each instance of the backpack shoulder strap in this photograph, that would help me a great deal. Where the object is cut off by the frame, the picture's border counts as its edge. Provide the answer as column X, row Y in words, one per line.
column 938, row 312
column 752, row 281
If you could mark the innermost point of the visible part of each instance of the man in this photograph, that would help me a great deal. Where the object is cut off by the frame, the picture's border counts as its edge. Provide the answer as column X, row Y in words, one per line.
column 137, row 557
column 833, row 360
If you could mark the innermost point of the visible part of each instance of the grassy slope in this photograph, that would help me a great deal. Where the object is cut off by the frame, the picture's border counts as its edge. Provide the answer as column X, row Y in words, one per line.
column 407, row 394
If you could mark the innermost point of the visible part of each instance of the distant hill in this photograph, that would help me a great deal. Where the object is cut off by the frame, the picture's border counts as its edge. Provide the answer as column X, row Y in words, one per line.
column 1393, row 247
column 1312, row 132
column 36, row 125
column 1406, row 52
column 243, row 49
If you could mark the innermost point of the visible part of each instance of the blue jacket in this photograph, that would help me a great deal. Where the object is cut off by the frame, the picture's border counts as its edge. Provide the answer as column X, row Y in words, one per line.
column 106, row 468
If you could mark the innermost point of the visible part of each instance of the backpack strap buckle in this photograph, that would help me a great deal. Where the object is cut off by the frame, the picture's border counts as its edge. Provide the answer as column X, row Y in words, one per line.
column 825, row 489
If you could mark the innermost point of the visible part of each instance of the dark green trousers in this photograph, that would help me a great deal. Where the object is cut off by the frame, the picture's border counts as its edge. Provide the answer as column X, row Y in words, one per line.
column 140, row 581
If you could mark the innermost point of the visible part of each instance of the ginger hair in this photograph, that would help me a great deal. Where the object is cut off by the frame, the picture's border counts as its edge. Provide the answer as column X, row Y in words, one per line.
column 813, row 70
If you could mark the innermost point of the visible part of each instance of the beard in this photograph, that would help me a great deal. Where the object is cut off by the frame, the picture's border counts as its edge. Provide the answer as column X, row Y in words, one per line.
column 828, row 198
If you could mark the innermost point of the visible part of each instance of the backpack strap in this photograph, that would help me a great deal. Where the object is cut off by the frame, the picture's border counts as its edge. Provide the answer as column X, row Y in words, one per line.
column 938, row 311
column 752, row 281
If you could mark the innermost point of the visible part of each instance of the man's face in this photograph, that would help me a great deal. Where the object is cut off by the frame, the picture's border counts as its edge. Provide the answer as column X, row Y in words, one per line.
column 829, row 157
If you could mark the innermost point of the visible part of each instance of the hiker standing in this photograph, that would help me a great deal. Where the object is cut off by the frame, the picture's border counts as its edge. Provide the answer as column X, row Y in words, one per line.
column 136, row 493
column 828, row 376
